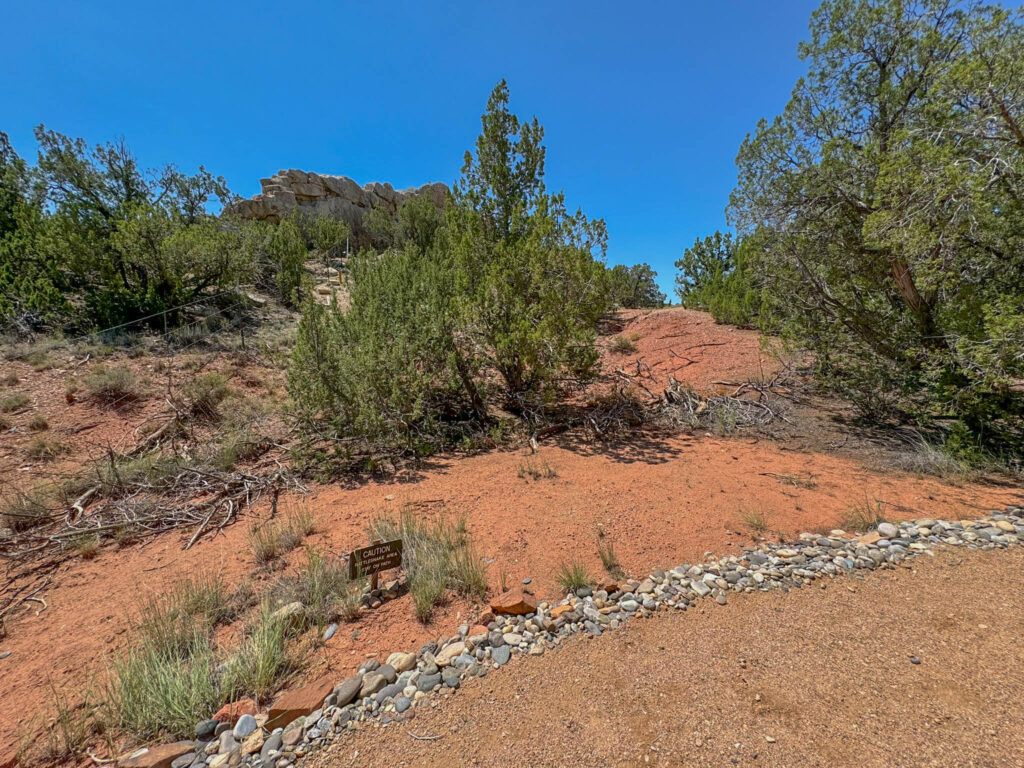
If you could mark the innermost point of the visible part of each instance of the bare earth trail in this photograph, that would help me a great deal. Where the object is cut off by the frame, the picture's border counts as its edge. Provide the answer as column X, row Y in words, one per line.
column 816, row 677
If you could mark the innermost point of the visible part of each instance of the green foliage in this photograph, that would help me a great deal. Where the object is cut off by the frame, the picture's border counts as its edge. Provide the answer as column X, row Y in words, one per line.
column 495, row 299
column 715, row 276
column 634, row 287
column 205, row 394
column 887, row 199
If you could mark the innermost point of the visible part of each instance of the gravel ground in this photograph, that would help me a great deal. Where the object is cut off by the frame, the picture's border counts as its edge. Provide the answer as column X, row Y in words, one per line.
column 816, row 677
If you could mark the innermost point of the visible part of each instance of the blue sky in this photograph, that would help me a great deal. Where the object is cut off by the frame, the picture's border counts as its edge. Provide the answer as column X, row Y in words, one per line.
column 644, row 105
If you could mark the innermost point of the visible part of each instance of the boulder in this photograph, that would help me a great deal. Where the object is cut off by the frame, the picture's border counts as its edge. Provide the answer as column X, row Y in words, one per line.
column 515, row 602
column 230, row 713
column 347, row 690
column 298, row 703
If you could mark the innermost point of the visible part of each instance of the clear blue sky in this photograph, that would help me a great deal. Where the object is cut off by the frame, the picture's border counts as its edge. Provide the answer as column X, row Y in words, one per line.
column 644, row 104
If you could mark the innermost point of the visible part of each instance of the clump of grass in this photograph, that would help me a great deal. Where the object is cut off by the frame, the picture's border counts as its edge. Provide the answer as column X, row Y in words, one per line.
column 173, row 622
column 436, row 557
column 923, row 458
column 864, row 516
column 68, row 736
column 572, row 575
column 10, row 379
column 262, row 662
column 534, row 471
column 113, row 385
column 5, row 424
column 610, row 561
column 38, row 423
column 154, row 691
column 39, row 359
column 276, row 538
column 24, row 510
column 205, row 395
column 234, row 447
column 42, row 449
column 323, row 587
column 86, row 546
column 13, row 401
column 756, row 521
column 623, row 346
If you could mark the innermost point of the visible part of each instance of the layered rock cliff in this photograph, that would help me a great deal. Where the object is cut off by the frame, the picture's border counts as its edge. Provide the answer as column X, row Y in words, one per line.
column 324, row 195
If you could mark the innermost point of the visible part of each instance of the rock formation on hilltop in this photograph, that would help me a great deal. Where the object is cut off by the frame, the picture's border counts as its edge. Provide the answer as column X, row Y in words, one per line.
column 336, row 196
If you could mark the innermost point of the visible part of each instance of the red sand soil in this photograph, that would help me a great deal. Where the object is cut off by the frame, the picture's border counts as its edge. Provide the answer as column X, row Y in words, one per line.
column 659, row 502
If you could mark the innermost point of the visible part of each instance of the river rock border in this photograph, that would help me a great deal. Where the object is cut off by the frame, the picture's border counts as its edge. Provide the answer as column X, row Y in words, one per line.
column 393, row 691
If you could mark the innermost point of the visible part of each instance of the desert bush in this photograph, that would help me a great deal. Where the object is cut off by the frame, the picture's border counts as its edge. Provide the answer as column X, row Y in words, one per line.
column 91, row 240
column 24, row 510
column 535, row 471
column 113, row 385
column 233, row 447
column 755, row 520
column 43, row 449
column 262, row 662
column 10, row 379
column 572, row 575
column 38, row 423
column 86, row 546
column 436, row 557
column 634, row 287
column 622, row 346
column 5, row 424
column 205, row 394
column 13, row 401
column 498, row 304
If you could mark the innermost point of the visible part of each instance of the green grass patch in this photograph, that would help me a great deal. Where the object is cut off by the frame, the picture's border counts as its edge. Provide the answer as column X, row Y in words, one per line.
column 436, row 557
column 572, row 575
column 14, row 401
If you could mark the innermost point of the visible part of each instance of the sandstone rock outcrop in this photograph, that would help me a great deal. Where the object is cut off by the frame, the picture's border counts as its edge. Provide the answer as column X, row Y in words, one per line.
column 322, row 195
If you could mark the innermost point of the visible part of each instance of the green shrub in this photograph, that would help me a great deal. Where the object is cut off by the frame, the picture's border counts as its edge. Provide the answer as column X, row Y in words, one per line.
column 634, row 287
column 756, row 521
column 205, row 394
column 715, row 275
column 496, row 304
column 113, row 385
column 38, row 423
column 622, row 346
column 610, row 561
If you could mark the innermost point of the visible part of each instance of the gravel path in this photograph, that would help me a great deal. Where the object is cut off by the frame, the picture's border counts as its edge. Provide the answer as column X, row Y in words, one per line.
column 917, row 666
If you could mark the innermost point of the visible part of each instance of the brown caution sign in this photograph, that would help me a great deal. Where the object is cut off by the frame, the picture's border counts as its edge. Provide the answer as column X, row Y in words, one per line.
column 375, row 558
